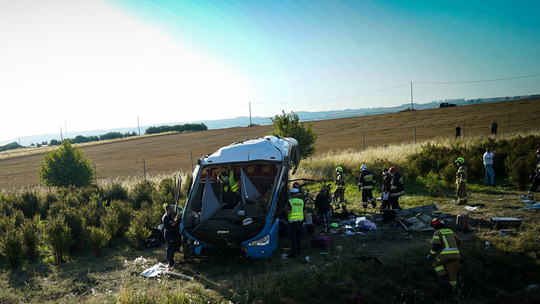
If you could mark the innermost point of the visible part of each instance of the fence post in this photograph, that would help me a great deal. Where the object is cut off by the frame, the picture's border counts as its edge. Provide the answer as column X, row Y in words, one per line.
column 144, row 168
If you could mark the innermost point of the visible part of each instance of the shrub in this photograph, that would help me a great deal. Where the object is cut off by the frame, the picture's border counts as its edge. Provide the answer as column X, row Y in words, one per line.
column 435, row 185
column 111, row 222
column 28, row 204
column 98, row 238
column 45, row 204
column 57, row 236
column 30, row 234
column 76, row 223
column 94, row 211
column 142, row 192
column 115, row 192
column 518, row 171
column 11, row 244
column 138, row 231
column 66, row 166
column 289, row 125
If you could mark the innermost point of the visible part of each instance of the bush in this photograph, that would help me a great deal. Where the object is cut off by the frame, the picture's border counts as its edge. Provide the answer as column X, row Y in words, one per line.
column 11, row 244
column 45, row 204
column 123, row 211
column 436, row 187
column 115, row 192
column 66, row 166
column 75, row 221
column 111, row 222
column 518, row 172
column 57, row 236
column 98, row 238
column 138, row 231
column 28, row 204
column 94, row 211
column 289, row 125
column 142, row 192
column 30, row 234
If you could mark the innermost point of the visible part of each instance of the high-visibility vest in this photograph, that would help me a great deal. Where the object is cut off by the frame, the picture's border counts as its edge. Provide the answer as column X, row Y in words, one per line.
column 448, row 243
column 233, row 185
column 297, row 210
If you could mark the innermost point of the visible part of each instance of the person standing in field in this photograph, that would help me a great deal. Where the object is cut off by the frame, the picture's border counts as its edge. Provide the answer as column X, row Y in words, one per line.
column 458, row 131
column 296, row 214
column 396, row 188
column 494, row 127
column 169, row 225
column 445, row 245
column 488, row 164
column 365, row 184
column 461, row 181
column 386, row 179
column 535, row 176
column 341, row 182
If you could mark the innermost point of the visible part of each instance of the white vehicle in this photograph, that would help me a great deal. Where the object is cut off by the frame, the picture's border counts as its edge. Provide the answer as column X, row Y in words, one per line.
column 237, row 195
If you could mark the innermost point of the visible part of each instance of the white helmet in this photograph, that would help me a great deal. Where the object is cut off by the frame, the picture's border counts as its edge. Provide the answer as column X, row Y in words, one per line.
column 363, row 167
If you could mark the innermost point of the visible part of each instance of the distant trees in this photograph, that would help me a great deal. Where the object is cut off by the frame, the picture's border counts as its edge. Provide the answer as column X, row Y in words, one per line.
column 66, row 167
column 11, row 146
column 289, row 125
column 176, row 128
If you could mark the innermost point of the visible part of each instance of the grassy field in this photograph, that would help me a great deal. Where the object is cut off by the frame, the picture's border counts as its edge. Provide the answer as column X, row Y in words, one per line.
column 168, row 153
column 343, row 273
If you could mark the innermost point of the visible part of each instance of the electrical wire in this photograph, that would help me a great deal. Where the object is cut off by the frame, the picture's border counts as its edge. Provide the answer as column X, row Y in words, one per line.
column 473, row 81
column 339, row 98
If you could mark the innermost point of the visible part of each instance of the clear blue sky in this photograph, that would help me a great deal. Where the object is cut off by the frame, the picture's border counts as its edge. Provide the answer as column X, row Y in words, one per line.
column 101, row 64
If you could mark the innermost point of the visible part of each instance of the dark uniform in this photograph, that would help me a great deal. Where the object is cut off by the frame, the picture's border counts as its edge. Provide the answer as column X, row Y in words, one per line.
column 386, row 185
column 445, row 243
column 322, row 205
column 535, row 176
column 170, row 237
column 461, row 182
column 396, row 190
column 366, row 182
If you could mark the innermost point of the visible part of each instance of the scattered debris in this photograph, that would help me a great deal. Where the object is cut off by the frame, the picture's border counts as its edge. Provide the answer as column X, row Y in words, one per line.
column 407, row 212
column 534, row 206
column 160, row 269
column 506, row 222
column 505, row 232
column 470, row 208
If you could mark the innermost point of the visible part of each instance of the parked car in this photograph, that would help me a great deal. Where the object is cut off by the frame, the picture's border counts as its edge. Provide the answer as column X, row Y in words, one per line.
column 447, row 105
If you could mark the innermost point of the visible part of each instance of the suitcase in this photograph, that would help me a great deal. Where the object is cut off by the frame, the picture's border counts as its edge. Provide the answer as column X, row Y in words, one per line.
column 322, row 241
column 462, row 221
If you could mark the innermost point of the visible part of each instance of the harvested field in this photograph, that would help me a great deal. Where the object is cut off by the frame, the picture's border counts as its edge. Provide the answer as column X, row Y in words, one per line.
column 168, row 153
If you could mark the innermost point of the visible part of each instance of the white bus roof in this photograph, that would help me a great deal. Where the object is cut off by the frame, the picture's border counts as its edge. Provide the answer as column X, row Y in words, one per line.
column 270, row 148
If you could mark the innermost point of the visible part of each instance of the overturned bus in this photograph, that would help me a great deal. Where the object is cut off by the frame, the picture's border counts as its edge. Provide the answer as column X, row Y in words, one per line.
column 237, row 196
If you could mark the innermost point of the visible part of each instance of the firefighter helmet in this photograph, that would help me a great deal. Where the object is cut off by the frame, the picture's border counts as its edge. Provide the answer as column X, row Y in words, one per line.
column 363, row 167
column 296, row 185
column 538, row 151
column 165, row 206
column 460, row 160
column 339, row 169
column 434, row 222
column 392, row 170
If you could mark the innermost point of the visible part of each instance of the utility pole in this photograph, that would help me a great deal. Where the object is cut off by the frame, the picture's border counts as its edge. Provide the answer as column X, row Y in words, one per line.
column 250, row 114
column 412, row 104
column 138, row 126
column 61, row 139
column 65, row 125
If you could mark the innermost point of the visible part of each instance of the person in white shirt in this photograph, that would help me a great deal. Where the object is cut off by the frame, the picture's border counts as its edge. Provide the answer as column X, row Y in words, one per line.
column 488, row 164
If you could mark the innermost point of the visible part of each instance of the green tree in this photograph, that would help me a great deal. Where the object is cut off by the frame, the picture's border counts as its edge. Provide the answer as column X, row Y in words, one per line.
column 289, row 125
column 66, row 166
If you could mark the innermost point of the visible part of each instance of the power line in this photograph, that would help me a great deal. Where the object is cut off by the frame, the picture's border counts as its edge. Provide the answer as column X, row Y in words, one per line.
column 339, row 98
column 473, row 81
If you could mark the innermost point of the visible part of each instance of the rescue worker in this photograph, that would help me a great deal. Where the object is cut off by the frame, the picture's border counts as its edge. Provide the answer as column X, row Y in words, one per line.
column 340, row 181
column 396, row 188
column 365, row 184
column 385, row 189
column 444, row 253
column 461, row 181
column 229, row 180
column 296, row 214
column 535, row 176
column 170, row 224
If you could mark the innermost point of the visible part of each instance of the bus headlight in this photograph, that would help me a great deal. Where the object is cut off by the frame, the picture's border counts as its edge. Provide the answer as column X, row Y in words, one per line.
column 265, row 240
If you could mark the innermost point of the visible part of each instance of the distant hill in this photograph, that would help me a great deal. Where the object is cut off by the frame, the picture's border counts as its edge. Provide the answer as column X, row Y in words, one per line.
column 243, row 121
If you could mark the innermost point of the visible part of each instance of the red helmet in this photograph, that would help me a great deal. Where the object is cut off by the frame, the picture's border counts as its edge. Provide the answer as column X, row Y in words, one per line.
column 393, row 170
column 296, row 185
column 538, row 151
column 434, row 222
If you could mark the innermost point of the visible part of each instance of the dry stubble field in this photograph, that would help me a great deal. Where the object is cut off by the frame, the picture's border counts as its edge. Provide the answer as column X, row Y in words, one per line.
column 168, row 153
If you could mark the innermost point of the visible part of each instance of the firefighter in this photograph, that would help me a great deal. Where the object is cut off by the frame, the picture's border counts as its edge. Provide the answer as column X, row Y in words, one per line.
column 365, row 184
column 385, row 189
column 461, row 181
column 535, row 176
column 396, row 188
column 340, row 181
column 445, row 245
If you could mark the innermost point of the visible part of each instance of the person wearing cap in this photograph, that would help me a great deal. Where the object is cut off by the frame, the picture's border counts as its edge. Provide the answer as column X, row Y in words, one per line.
column 396, row 188
column 385, row 189
column 341, row 182
column 444, row 253
column 296, row 214
column 170, row 224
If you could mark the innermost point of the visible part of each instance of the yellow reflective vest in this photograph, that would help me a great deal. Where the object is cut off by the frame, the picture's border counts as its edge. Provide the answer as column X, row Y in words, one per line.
column 297, row 210
column 447, row 244
column 232, row 184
